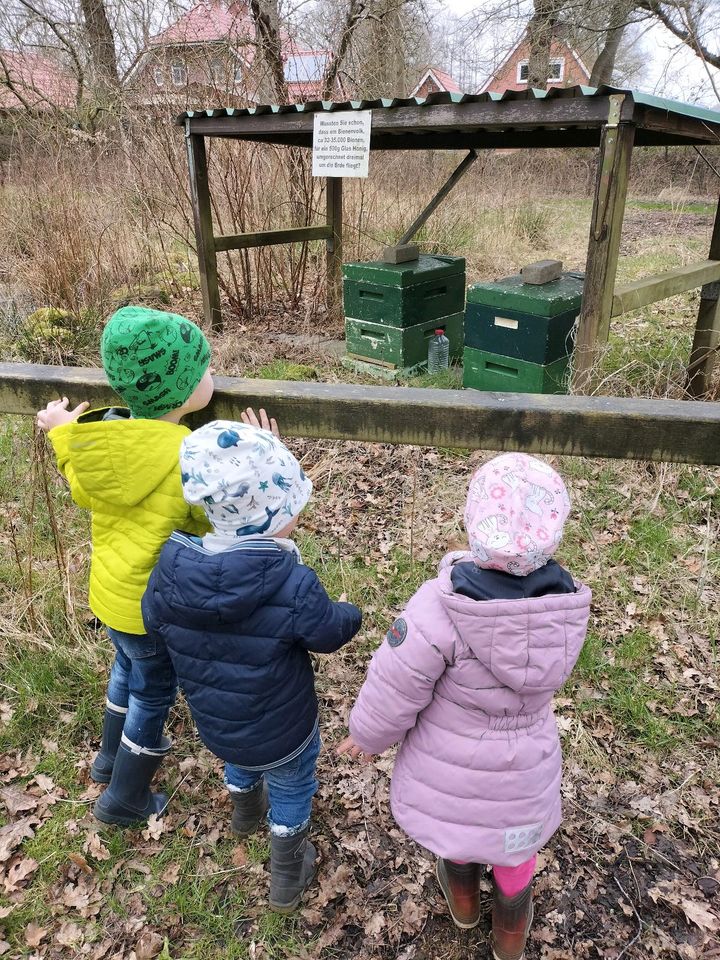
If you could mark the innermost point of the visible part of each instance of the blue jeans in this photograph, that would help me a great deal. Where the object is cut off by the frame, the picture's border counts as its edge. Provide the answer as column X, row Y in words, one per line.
column 143, row 683
column 291, row 788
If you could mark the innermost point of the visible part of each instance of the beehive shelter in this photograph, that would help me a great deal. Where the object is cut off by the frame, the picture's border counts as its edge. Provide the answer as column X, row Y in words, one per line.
column 611, row 119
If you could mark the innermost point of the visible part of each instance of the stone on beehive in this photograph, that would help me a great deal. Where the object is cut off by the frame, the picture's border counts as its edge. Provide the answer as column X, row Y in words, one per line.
column 402, row 253
column 542, row 271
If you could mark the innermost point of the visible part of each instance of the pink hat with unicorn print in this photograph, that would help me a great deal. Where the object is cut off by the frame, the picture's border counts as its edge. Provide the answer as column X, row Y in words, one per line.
column 515, row 512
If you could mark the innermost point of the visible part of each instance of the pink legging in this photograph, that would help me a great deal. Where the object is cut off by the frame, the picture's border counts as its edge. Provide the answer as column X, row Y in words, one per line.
column 512, row 880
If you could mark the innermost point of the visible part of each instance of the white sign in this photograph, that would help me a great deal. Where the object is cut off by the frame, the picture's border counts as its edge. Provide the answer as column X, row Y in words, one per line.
column 341, row 143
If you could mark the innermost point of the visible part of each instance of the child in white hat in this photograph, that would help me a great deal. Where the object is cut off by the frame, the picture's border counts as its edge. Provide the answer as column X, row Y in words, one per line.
column 240, row 614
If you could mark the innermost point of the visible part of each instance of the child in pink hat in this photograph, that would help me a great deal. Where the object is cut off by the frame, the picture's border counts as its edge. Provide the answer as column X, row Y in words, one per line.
column 464, row 682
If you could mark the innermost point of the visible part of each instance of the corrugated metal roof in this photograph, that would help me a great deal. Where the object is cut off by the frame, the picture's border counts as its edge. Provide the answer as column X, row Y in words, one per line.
column 672, row 107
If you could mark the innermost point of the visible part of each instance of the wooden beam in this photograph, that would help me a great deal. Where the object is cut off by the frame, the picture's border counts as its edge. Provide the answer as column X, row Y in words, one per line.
column 202, row 216
column 603, row 247
column 707, row 329
column 241, row 241
column 334, row 246
column 551, row 112
column 444, row 190
column 639, row 293
column 664, row 430
column 538, row 138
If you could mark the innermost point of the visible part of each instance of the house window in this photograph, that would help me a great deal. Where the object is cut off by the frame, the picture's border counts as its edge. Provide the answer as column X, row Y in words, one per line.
column 239, row 73
column 179, row 74
column 159, row 77
column 557, row 70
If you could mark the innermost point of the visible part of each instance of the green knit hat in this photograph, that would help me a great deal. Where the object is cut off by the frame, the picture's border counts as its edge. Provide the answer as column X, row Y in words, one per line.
column 153, row 359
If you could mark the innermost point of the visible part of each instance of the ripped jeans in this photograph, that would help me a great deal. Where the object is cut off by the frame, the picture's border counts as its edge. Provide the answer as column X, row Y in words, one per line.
column 290, row 786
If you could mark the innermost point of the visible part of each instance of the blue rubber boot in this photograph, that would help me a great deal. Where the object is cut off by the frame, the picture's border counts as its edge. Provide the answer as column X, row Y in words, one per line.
column 102, row 767
column 128, row 800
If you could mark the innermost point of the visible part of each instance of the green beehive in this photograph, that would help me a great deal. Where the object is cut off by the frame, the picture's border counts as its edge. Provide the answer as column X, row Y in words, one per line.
column 404, row 294
column 531, row 322
column 401, row 347
column 499, row 374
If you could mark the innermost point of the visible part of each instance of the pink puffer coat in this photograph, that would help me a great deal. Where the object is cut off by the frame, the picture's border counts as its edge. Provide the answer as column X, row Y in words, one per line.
column 466, row 685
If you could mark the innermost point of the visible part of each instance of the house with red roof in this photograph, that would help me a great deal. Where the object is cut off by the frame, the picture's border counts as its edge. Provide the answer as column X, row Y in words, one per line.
column 29, row 81
column 211, row 52
column 435, row 80
column 566, row 68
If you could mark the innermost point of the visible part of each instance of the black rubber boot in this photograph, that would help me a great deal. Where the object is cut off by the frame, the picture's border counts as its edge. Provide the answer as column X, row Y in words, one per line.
column 460, row 884
column 511, row 921
column 249, row 809
column 292, row 868
column 102, row 767
column 128, row 799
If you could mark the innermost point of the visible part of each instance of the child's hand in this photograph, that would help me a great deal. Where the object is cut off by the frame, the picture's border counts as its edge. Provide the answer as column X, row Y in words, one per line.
column 56, row 413
column 349, row 746
column 249, row 417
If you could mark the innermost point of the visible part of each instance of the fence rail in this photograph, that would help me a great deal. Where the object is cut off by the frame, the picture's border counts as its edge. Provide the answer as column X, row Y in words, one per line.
column 615, row 427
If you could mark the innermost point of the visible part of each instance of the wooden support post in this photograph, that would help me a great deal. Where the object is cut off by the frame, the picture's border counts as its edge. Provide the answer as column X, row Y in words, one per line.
column 202, row 215
column 444, row 190
column 707, row 330
column 604, row 245
column 334, row 255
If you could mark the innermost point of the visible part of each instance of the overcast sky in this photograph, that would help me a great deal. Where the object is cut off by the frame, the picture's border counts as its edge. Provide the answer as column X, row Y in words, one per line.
column 672, row 70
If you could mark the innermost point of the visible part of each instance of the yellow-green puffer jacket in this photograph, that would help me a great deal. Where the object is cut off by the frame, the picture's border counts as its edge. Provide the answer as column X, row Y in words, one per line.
column 127, row 472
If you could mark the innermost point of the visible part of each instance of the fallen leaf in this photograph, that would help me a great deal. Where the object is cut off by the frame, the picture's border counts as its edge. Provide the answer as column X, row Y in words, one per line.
column 69, row 934
column 17, row 800
column 44, row 782
column 12, row 835
column 239, row 855
column 4, row 947
column 375, row 924
column 75, row 897
column 139, row 867
column 148, row 945
column 95, row 847
column 171, row 874
column 34, row 934
column 156, row 826
column 18, row 872
column 698, row 914
column 79, row 860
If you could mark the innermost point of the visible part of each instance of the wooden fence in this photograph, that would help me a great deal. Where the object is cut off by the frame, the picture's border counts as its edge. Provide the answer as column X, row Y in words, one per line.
column 663, row 430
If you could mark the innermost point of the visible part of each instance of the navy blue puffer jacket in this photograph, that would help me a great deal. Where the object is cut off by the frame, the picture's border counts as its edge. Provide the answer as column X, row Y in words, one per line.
column 239, row 626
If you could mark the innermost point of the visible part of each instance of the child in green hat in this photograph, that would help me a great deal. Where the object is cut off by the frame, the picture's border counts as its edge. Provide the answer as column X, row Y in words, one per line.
column 122, row 464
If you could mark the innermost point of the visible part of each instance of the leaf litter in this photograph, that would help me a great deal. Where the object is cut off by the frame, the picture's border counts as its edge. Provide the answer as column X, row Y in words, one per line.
column 634, row 871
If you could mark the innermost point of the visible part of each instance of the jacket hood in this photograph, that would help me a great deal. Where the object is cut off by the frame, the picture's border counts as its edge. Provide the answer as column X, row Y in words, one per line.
column 201, row 588
column 121, row 461
column 517, row 640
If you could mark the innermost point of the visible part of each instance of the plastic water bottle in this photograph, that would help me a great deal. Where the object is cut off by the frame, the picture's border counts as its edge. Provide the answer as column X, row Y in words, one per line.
column 438, row 352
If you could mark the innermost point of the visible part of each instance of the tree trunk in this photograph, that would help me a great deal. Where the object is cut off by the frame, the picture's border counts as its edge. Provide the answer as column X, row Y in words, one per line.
column 101, row 45
column 603, row 67
column 541, row 32
column 268, row 39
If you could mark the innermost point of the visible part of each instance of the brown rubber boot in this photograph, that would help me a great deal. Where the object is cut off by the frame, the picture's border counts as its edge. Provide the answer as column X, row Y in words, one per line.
column 511, row 920
column 460, row 884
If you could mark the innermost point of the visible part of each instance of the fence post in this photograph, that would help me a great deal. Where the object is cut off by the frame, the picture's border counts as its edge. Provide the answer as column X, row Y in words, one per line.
column 334, row 255
column 707, row 328
column 202, row 215
column 604, row 244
